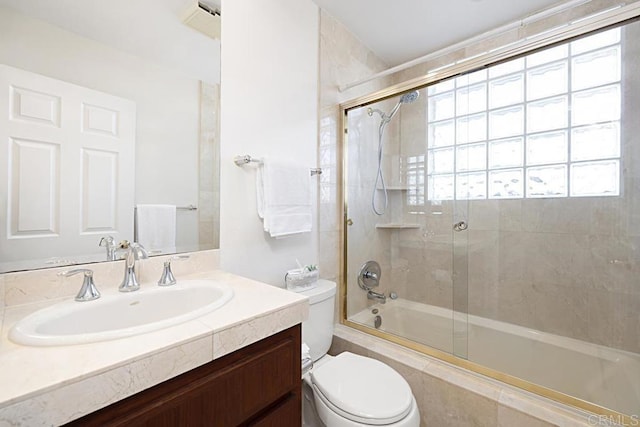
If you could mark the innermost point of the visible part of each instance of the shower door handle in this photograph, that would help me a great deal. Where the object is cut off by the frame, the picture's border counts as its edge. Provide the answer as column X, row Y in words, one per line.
column 460, row 226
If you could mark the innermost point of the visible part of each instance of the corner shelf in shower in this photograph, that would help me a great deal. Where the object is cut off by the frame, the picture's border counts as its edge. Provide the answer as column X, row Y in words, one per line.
column 395, row 188
column 397, row 226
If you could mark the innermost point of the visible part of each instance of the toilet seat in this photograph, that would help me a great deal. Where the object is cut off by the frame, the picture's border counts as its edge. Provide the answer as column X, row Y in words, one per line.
column 362, row 389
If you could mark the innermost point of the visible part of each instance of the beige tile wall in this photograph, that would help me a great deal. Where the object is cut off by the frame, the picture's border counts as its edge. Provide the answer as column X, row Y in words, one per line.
column 343, row 59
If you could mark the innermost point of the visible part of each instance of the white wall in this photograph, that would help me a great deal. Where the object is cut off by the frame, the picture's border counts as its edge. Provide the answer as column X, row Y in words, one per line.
column 269, row 107
column 167, row 104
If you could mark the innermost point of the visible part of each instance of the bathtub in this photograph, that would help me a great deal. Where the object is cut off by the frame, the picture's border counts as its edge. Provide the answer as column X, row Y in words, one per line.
column 601, row 375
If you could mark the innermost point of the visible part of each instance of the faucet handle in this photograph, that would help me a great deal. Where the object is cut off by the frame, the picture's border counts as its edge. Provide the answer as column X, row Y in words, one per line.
column 109, row 243
column 88, row 291
column 167, row 278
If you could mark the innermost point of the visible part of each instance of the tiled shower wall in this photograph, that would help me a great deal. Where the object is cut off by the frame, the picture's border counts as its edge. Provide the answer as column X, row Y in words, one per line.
column 567, row 266
column 343, row 59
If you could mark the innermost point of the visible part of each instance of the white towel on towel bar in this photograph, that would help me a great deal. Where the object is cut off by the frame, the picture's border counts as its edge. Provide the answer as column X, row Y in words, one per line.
column 283, row 192
column 156, row 227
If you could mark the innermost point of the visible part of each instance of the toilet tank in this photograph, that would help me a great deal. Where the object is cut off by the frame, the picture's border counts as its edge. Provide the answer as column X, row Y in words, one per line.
column 317, row 330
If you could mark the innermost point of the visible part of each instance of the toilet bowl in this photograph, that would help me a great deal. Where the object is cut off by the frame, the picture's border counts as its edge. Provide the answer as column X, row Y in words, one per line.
column 348, row 389
column 351, row 390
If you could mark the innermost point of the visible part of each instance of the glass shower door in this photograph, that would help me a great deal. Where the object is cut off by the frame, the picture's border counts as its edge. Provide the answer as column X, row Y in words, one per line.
column 399, row 226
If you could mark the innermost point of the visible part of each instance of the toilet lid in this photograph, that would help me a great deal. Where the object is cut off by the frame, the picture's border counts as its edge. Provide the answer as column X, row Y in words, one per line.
column 362, row 389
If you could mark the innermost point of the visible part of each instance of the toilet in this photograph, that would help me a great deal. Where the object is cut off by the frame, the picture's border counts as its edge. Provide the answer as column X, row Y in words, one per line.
column 348, row 390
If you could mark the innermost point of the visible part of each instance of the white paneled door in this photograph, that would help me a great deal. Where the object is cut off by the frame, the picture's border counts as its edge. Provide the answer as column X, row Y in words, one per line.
column 67, row 167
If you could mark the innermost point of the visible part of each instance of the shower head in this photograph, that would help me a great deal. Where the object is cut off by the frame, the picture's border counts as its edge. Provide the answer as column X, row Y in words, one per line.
column 410, row 97
column 407, row 98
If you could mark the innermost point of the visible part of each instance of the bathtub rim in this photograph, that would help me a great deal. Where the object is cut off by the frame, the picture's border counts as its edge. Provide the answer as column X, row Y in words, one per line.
column 566, row 399
column 573, row 344
column 505, row 395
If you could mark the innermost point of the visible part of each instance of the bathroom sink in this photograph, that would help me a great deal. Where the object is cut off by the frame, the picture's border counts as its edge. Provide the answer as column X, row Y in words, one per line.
column 118, row 315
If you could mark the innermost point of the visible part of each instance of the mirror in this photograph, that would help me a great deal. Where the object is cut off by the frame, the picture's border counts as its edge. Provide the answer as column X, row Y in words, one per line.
column 138, row 53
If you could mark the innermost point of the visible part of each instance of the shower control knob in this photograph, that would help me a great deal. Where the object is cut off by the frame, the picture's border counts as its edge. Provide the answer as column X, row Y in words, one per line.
column 369, row 275
column 460, row 226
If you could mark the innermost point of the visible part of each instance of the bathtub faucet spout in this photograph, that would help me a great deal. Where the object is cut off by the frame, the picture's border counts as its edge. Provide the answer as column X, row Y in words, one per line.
column 377, row 296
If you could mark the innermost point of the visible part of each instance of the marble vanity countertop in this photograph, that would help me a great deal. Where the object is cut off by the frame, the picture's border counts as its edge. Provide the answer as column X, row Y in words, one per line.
column 44, row 386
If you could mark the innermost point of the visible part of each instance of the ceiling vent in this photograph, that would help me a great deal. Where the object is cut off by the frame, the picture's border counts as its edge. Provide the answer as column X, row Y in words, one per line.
column 204, row 19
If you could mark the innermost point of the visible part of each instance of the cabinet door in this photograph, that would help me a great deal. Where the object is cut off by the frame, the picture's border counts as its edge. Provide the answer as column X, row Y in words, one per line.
column 257, row 385
column 286, row 414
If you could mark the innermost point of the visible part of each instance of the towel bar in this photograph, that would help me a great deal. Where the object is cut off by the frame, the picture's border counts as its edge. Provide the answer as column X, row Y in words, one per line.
column 187, row 208
column 181, row 208
column 243, row 160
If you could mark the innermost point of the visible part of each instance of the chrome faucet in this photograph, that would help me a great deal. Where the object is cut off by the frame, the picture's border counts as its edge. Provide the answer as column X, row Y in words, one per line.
column 377, row 296
column 88, row 291
column 109, row 243
column 135, row 252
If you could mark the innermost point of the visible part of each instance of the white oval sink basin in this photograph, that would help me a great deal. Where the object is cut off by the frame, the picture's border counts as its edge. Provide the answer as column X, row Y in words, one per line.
column 119, row 314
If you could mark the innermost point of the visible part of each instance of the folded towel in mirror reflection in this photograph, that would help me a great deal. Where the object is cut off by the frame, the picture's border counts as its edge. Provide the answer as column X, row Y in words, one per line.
column 284, row 197
column 156, row 227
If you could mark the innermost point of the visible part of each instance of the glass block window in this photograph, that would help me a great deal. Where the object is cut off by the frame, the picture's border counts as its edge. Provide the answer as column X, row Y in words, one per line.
column 415, row 180
column 545, row 125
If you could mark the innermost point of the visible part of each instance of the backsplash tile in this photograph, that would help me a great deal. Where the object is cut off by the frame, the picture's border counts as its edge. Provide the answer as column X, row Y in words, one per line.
column 35, row 285
column 31, row 286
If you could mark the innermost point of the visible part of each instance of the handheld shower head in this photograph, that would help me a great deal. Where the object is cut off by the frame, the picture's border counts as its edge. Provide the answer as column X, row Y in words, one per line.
column 410, row 97
column 407, row 98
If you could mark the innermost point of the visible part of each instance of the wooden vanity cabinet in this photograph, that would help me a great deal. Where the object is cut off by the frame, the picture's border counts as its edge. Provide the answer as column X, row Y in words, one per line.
column 258, row 385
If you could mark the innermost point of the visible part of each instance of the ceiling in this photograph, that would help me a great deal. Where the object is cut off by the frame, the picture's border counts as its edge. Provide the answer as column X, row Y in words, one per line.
column 145, row 28
column 402, row 30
